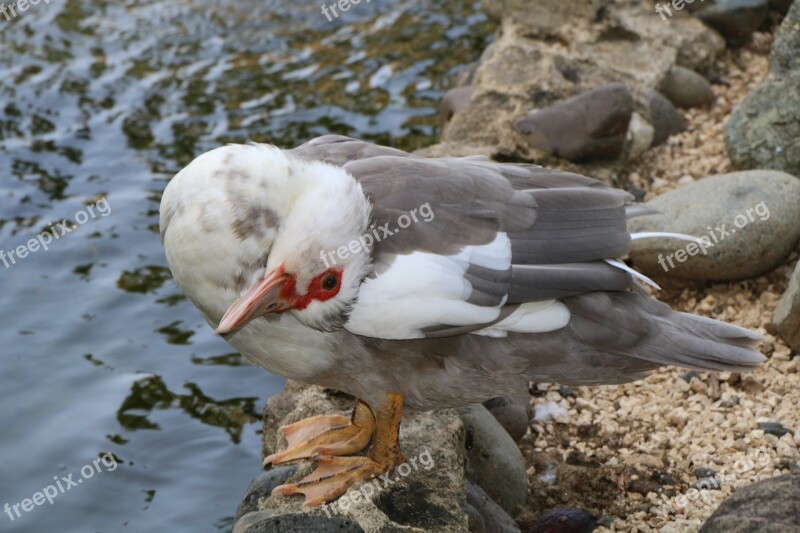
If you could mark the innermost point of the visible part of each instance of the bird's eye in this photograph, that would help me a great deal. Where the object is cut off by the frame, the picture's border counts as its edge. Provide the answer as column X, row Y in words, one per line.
column 330, row 282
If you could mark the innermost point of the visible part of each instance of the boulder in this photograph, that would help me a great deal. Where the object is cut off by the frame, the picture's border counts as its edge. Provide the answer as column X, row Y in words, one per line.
column 763, row 129
column 664, row 117
column 686, row 88
column 736, row 20
column 748, row 221
column 768, row 506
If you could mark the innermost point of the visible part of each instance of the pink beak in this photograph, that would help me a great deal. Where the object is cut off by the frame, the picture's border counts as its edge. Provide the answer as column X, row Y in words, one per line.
column 262, row 298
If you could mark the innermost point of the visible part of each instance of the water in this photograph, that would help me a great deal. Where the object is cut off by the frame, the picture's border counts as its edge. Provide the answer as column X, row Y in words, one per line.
column 100, row 104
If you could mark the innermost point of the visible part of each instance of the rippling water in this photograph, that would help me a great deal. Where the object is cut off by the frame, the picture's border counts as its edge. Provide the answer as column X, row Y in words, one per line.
column 100, row 104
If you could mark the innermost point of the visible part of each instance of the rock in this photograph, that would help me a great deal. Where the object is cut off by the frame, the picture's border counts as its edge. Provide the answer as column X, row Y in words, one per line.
column 265, row 522
column 565, row 520
column 686, row 88
column 664, row 117
column 589, row 126
column 640, row 136
column 787, row 313
column 513, row 413
column 547, row 52
column 781, row 6
column 774, row 428
column 426, row 492
column 749, row 222
column 493, row 518
column 494, row 461
column 736, row 20
column 261, row 487
column 784, row 58
column 454, row 101
column 768, row 506
column 763, row 129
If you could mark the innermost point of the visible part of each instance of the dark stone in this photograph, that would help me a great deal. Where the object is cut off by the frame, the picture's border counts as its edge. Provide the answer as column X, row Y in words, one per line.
column 769, row 506
column 565, row 520
column 708, row 483
column 704, row 472
column 690, row 375
column 736, row 20
column 413, row 506
column 513, row 413
column 643, row 486
column 586, row 127
column 493, row 518
column 664, row 117
column 564, row 391
column 686, row 88
column 302, row 523
column 774, row 428
column 261, row 487
column 781, row 6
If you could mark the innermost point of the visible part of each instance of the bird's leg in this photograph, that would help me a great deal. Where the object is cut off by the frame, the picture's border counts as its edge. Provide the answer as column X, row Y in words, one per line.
column 326, row 435
column 334, row 475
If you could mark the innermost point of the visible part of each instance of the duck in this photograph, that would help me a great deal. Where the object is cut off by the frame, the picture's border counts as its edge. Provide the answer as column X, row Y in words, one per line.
column 416, row 283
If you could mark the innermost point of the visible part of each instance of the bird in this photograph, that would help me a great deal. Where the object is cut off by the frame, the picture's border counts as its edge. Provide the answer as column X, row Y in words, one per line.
column 416, row 283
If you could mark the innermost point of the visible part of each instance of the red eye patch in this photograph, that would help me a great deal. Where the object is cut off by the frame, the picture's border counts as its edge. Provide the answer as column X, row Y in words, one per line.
column 323, row 287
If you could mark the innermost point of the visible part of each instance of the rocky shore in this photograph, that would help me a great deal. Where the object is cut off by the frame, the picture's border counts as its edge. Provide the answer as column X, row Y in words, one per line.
column 698, row 114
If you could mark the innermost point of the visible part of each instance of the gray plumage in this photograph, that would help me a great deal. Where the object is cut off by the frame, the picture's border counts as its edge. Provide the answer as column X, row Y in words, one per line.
column 561, row 228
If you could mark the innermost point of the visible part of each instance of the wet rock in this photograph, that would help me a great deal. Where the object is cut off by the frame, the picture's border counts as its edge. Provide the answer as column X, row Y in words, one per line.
column 513, row 413
column 787, row 313
column 427, row 489
column 265, row 522
column 664, row 117
column 454, row 101
column 494, row 461
column 686, row 88
column 773, row 428
column 763, row 129
column 261, row 487
column 492, row 517
column 565, row 520
column 640, row 136
column 589, row 126
column 769, row 506
column 736, row 20
column 748, row 221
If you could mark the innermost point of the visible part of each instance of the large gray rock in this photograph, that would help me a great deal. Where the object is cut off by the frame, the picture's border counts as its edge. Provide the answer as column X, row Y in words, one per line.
column 493, row 459
column 763, row 129
column 787, row 313
column 686, row 88
column 588, row 126
column 429, row 496
column 750, row 222
column 768, row 506
column 736, row 20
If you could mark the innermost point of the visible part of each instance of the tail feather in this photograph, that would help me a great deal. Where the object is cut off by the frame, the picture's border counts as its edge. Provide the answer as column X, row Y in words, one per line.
column 633, row 325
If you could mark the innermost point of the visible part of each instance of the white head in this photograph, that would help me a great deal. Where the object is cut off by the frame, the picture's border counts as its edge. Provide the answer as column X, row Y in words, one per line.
column 275, row 223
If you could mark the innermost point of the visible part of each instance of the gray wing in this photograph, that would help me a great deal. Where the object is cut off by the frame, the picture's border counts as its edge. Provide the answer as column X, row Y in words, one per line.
column 561, row 225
